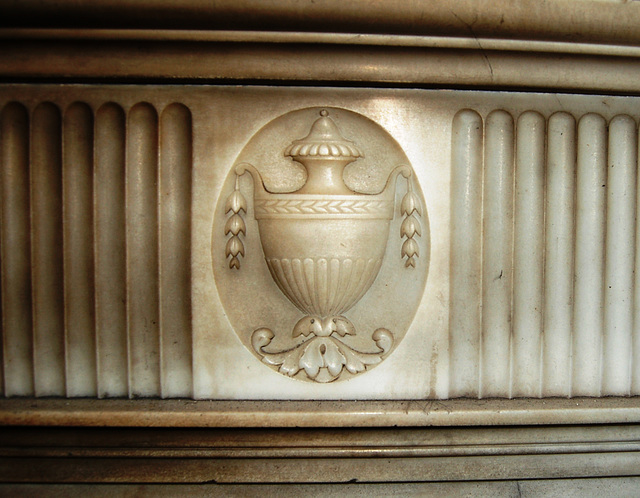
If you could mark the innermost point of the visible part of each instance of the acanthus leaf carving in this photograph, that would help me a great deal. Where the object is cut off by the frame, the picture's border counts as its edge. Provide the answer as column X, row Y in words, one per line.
column 322, row 352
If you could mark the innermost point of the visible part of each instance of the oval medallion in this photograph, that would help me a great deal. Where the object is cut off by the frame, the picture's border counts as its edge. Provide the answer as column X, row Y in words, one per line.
column 321, row 244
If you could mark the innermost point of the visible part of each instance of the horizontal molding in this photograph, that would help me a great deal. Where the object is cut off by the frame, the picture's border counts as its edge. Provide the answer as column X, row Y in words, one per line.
column 607, row 22
column 269, row 37
column 264, row 470
column 618, row 486
column 313, row 442
column 266, row 414
column 331, row 64
column 315, row 455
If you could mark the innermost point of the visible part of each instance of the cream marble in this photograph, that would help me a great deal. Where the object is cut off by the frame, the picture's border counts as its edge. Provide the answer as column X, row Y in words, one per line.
column 497, row 254
column 589, row 258
column 528, row 255
column 560, row 182
column 527, row 209
column 505, row 261
column 324, row 239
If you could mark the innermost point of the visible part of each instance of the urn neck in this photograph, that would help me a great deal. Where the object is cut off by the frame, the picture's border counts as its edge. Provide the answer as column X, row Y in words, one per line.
column 324, row 176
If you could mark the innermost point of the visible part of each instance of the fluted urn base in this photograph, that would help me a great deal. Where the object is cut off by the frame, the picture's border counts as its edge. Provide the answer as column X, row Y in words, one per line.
column 323, row 355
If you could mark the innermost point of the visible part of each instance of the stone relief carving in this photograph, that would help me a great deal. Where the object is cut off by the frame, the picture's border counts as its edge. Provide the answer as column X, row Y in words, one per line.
column 324, row 241
column 531, row 281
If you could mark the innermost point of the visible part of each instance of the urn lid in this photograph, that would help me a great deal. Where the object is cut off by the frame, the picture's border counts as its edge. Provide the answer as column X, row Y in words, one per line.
column 323, row 141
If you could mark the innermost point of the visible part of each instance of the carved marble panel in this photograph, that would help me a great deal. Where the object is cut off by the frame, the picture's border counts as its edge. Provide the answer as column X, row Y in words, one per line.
column 96, row 249
column 300, row 243
column 325, row 229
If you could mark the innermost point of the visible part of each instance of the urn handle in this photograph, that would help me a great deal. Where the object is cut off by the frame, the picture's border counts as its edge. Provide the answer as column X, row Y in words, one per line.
column 235, row 227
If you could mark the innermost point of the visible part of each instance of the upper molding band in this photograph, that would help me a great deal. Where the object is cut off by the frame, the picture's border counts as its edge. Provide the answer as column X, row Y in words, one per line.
column 557, row 20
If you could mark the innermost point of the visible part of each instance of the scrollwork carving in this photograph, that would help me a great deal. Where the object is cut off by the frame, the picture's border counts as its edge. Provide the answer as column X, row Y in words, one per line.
column 322, row 350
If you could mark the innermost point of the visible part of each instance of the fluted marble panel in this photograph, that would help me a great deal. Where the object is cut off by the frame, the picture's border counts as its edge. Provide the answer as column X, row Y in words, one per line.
column 79, row 268
column 46, row 251
column 560, row 181
column 143, row 335
column 559, row 246
column 497, row 253
column 95, row 229
column 528, row 255
column 532, row 280
column 620, row 251
column 110, row 252
column 17, row 337
column 175, row 251
column 466, row 259
column 591, row 179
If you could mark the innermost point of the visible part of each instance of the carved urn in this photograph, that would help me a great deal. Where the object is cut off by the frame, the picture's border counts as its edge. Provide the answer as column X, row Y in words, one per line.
column 324, row 244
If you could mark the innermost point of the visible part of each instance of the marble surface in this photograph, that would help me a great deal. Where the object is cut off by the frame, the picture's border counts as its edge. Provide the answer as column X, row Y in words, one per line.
column 581, row 487
column 523, row 287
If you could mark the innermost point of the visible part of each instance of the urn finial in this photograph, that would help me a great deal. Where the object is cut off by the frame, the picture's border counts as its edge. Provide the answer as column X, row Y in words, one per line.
column 324, row 153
